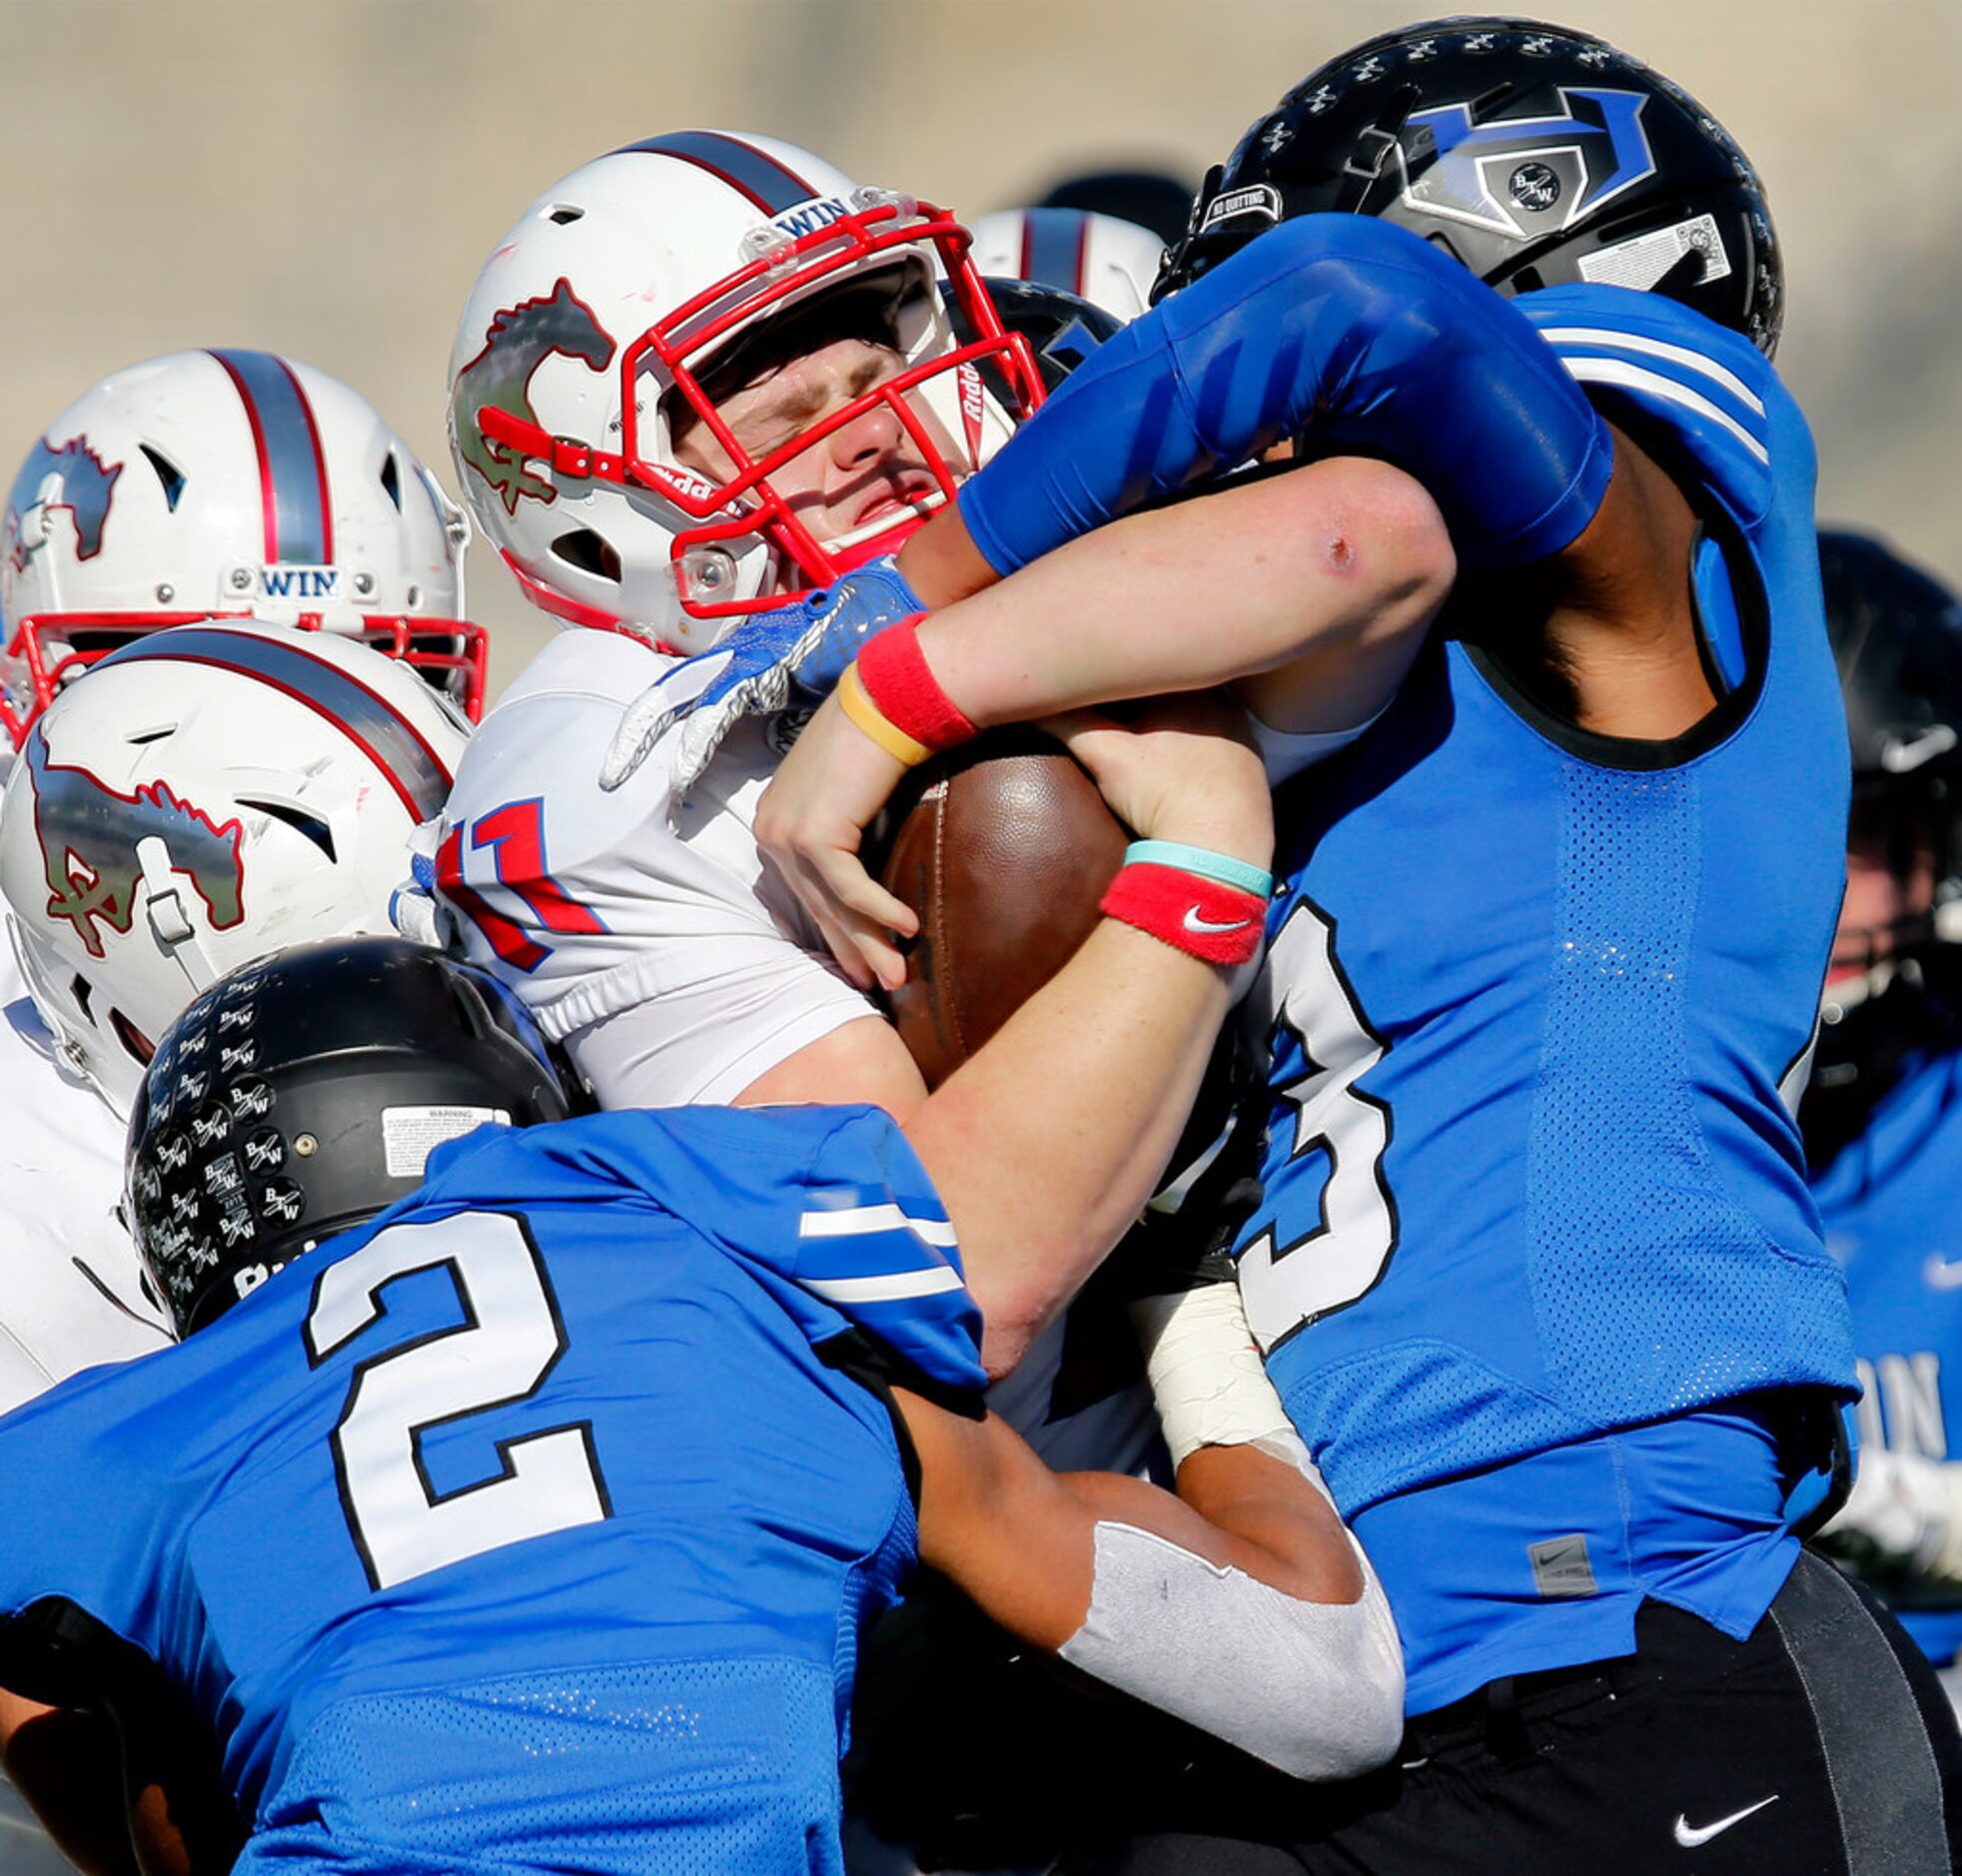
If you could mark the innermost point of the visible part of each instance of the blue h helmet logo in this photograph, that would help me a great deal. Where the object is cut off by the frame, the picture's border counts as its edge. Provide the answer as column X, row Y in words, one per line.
column 1552, row 169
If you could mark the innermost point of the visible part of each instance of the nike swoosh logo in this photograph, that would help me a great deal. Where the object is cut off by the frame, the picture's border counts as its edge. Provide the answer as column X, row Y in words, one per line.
column 1690, row 1835
column 1897, row 758
column 1195, row 923
column 1941, row 1274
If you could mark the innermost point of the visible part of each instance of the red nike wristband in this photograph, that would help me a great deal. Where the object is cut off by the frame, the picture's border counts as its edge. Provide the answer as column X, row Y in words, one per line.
column 894, row 672
column 1220, row 924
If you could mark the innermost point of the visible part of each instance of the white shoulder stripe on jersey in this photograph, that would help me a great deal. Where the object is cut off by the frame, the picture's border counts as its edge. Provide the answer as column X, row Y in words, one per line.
column 1656, row 349
column 860, row 1220
column 1633, row 377
column 893, row 1288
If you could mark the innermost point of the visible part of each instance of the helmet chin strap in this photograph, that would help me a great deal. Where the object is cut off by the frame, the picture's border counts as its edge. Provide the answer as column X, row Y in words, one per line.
column 169, row 922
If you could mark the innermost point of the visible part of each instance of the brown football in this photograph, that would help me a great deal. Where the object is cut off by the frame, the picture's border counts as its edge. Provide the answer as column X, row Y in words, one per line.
column 1004, row 849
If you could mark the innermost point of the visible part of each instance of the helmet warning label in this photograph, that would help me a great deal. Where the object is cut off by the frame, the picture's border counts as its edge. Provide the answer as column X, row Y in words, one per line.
column 1645, row 260
column 410, row 1135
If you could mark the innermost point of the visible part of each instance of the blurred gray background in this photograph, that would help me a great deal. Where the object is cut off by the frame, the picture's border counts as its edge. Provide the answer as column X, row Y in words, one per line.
column 324, row 177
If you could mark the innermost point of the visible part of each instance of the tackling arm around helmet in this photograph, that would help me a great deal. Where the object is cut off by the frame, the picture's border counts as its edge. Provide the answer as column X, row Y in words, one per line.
column 1348, row 330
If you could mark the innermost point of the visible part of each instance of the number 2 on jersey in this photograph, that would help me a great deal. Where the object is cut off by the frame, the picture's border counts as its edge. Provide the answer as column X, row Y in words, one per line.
column 1343, row 1253
column 500, row 1355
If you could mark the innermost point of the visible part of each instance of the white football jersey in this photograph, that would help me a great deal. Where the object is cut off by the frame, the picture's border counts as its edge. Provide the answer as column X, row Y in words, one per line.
column 648, row 939
column 654, row 944
column 72, row 1292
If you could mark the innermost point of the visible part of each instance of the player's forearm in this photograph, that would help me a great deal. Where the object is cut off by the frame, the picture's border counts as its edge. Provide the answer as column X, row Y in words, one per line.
column 942, row 561
column 1263, row 1636
column 1339, row 558
column 1020, row 1538
column 1046, row 1145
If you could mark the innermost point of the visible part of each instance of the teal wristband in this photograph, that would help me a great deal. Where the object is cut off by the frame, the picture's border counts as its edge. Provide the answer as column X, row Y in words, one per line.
column 1222, row 868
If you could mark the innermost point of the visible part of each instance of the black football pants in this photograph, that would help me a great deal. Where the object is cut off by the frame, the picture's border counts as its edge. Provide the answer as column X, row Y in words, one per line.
column 1821, row 1744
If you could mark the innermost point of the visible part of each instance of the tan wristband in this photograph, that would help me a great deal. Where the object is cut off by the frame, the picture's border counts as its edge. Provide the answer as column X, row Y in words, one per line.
column 866, row 716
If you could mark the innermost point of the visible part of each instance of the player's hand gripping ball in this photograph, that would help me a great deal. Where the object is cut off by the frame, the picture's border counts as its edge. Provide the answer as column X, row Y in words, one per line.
column 1003, row 848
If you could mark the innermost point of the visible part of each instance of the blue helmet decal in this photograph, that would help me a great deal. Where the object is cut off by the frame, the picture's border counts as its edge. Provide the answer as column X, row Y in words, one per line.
column 1491, row 174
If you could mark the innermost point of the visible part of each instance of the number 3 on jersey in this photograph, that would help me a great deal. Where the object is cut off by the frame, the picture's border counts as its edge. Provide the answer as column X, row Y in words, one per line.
column 1347, row 1243
column 501, row 1354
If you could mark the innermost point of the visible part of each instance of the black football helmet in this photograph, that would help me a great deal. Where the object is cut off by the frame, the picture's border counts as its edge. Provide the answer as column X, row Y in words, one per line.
column 1897, row 640
column 1062, row 329
column 1150, row 198
column 1534, row 155
column 300, row 1096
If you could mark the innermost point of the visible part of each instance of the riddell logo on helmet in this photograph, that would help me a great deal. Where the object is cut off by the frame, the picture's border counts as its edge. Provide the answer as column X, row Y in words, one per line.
column 687, row 483
column 519, row 339
column 90, row 834
column 86, row 486
column 973, row 409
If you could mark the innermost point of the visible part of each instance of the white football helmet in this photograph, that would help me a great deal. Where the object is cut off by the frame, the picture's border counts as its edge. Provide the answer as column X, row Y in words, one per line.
column 1109, row 263
column 227, row 483
column 593, row 321
column 206, row 794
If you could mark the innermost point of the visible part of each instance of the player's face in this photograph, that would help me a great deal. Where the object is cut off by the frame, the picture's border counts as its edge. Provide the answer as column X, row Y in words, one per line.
column 1882, row 887
column 866, row 472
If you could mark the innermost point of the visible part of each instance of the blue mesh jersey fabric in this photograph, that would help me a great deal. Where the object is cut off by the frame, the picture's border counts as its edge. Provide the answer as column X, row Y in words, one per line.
column 533, row 1524
column 1531, row 996
column 682, row 1769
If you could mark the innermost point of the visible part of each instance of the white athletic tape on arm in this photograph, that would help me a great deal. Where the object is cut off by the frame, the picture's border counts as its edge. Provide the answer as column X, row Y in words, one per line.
column 1207, row 1375
column 1314, row 1689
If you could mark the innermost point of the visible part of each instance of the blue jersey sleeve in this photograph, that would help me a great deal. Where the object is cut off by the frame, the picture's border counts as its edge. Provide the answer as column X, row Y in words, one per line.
column 82, row 1518
column 828, row 1207
column 875, row 1241
column 1666, row 372
column 1350, row 330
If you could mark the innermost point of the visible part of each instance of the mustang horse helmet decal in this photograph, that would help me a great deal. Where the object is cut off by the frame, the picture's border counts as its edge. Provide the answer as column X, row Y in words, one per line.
column 86, row 483
column 519, row 341
column 89, row 835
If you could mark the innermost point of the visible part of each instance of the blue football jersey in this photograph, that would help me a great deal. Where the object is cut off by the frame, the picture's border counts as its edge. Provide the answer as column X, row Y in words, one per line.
column 533, row 1524
column 1531, row 996
column 1892, row 1206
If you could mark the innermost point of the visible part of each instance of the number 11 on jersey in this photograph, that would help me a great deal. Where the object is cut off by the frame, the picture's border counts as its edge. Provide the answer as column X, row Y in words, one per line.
column 516, row 837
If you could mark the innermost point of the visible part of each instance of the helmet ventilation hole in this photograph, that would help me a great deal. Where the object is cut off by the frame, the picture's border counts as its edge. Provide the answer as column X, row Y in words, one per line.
column 310, row 826
column 392, row 479
column 168, row 473
column 564, row 214
column 135, row 1044
column 585, row 550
